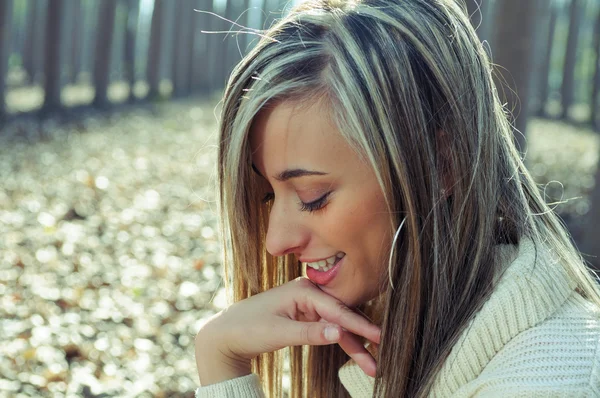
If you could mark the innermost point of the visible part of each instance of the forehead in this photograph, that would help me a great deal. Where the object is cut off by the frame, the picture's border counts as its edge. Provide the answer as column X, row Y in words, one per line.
column 291, row 134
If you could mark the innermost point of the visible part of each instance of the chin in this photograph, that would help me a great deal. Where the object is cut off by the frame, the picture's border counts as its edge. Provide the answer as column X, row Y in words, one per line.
column 350, row 300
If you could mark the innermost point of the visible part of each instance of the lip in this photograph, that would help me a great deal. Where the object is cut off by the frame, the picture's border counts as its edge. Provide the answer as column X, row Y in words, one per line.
column 324, row 278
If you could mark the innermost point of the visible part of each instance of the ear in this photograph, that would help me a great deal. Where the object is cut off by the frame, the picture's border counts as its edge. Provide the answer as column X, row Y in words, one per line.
column 443, row 144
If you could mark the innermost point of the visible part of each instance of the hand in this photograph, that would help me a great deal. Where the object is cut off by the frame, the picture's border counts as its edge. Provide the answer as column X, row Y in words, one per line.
column 296, row 313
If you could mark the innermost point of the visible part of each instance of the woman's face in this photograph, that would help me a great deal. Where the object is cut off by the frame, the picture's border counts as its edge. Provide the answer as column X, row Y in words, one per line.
column 326, row 202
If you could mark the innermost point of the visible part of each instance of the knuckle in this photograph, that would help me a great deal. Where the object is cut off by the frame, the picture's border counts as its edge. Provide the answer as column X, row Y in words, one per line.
column 343, row 311
column 305, row 334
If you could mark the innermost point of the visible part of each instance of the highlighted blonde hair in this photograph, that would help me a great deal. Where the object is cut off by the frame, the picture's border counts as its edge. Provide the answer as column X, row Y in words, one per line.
column 410, row 87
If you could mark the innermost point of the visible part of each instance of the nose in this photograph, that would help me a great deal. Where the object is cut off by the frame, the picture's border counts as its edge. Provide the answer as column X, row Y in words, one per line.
column 285, row 233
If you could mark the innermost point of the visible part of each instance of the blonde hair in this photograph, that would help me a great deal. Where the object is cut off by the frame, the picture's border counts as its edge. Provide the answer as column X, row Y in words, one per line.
column 410, row 87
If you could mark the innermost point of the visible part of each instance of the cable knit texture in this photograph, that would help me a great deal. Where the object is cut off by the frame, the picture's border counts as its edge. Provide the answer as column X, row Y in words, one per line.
column 240, row 387
column 534, row 337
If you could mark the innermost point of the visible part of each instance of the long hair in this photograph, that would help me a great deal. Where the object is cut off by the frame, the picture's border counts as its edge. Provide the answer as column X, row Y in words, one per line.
column 410, row 88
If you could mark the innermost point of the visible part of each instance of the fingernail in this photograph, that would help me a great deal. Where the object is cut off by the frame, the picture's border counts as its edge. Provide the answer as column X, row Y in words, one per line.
column 332, row 333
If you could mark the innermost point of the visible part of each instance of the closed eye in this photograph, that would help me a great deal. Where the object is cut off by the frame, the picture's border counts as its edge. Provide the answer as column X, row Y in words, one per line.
column 310, row 207
column 315, row 204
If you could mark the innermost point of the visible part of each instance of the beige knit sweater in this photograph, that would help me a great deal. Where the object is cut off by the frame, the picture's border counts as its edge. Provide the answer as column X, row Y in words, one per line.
column 534, row 337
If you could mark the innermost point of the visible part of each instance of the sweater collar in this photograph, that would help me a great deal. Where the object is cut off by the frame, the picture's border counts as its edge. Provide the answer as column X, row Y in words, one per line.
column 530, row 287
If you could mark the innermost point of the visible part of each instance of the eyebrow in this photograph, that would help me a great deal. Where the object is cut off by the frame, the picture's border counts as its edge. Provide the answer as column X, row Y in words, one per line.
column 292, row 173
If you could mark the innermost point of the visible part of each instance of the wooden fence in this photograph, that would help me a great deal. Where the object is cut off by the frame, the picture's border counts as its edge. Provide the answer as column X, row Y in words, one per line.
column 59, row 53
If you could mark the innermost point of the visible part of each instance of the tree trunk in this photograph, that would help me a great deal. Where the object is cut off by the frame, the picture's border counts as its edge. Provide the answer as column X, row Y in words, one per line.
column 255, row 21
column 75, row 53
column 595, row 101
column 590, row 243
column 196, row 42
column 568, row 83
column 5, row 20
column 129, row 49
column 474, row 11
column 184, row 49
column 155, row 50
column 272, row 9
column 205, row 60
column 215, row 53
column 30, row 39
column 222, row 47
column 488, row 9
column 18, row 19
column 52, row 53
column 169, row 49
column 541, row 64
column 544, row 77
column 66, row 36
column 513, row 49
column 90, row 19
column 235, row 42
column 106, row 27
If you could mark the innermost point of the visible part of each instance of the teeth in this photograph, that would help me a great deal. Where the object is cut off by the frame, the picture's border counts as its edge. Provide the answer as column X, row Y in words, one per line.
column 327, row 264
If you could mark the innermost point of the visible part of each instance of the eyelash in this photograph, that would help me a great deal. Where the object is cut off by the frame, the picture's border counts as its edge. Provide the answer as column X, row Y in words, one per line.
column 313, row 206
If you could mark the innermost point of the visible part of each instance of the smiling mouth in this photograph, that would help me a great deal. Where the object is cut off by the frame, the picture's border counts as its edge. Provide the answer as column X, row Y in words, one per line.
column 326, row 264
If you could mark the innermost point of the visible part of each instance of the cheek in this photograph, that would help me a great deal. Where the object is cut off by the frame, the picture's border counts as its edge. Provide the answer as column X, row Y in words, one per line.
column 372, row 228
column 342, row 227
column 361, row 226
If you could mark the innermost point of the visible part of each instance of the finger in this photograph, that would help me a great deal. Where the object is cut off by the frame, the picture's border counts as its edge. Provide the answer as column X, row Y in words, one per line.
column 352, row 345
column 334, row 311
column 309, row 333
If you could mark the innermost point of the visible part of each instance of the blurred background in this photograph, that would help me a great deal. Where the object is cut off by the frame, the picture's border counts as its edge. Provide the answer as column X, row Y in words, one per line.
column 109, row 252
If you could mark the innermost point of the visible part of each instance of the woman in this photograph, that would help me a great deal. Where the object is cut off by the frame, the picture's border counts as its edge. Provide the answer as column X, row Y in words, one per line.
column 363, row 145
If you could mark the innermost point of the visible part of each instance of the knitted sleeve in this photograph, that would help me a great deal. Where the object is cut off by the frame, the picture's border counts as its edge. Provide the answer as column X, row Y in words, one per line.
column 241, row 387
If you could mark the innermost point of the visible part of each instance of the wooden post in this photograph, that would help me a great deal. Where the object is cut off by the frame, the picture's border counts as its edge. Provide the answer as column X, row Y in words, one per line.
column 5, row 22
column 52, row 60
column 106, row 27
column 568, row 83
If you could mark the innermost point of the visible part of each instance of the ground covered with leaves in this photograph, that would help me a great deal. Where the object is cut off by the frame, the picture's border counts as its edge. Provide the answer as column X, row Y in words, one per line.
column 109, row 258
